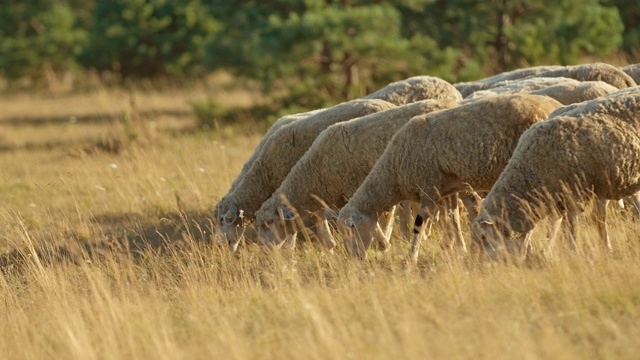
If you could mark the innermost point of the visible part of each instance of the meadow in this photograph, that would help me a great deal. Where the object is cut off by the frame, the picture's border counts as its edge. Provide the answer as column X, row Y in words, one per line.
column 106, row 252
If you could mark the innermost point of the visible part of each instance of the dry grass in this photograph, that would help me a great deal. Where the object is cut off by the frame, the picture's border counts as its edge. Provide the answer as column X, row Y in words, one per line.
column 110, row 256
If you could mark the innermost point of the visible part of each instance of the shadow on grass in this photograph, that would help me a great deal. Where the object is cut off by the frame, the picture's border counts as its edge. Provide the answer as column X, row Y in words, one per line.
column 131, row 235
column 90, row 118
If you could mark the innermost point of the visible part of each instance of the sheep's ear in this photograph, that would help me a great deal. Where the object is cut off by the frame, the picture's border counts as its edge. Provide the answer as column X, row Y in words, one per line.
column 286, row 213
column 231, row 215
column 352, row 221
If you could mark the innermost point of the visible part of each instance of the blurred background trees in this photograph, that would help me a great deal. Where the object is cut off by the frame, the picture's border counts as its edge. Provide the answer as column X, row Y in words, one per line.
column 310, row 53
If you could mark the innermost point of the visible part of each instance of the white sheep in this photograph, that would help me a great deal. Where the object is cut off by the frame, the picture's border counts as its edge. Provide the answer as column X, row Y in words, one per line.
column 591, row 150
column 585, row 72
column 438, row 155
column 398, row 93
column 524, row 86
column 416, row 88
column 593, row 72
column 565, row 90
column 468, row 88
column 632, row 70
column 283, row 121
column 574, row 93
column 335, row 165
column 280, row 153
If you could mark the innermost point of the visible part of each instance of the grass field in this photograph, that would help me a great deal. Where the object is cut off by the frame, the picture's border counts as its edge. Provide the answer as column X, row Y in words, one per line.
column 106, row 253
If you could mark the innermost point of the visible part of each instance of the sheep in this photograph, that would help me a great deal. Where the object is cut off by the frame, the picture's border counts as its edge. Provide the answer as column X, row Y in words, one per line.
column 592, row 150
column 565, row 90
column 585, row 72
column 632, row 70
column 280, row 153
column 283, row 121
column 593, row 72
column 438, row 155
column 468, row 88
column 522, row 86
column 416, row 88
column 334, row 166
column 568, row 94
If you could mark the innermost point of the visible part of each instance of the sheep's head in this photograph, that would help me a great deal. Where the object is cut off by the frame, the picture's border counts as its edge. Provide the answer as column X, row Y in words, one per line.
column 358, row 231
column 228, row 224
column 276, row 223
column 494, row 237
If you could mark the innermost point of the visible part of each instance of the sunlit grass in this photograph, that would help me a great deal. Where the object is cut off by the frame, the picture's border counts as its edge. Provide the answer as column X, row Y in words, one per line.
column 106, row 255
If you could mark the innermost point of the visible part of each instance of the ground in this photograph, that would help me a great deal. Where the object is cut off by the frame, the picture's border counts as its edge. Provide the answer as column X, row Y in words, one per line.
column 106, row 252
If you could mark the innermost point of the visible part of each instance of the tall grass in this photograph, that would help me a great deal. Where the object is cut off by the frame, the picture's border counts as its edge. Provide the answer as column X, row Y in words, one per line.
column 110, row 256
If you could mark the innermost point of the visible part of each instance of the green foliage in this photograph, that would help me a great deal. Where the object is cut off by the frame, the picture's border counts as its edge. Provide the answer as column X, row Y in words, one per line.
column 148, row 37
column 311, row 53
column 36, row 34
column 321, row 53
column 630, row 13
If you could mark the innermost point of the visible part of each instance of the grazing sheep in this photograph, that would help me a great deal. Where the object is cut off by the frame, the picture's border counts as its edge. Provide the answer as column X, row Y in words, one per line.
column 468, row 88
column 568, row 94
column 334, row 166
column 593, row 72
column 592, row 150
column 280, row 153
column 285, row 120
column 585, row 72
column 438, row 155
column 522, row 86
column 632, row 70
column 565, row 90
column 415, row 89
column 398, row 93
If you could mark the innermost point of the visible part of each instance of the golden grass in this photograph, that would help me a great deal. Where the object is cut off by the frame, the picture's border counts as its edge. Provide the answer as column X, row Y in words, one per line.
column 107, row 256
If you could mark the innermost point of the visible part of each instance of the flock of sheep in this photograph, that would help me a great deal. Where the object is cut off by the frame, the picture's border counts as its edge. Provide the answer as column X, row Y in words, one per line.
column 534, row 142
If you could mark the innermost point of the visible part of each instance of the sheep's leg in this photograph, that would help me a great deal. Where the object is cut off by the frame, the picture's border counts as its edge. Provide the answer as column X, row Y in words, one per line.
column 571, row 228
column 471, row 202
column 405, row 211
column 553, row 231
column 527, row 243
column 635, row 203
column 455, row 217
column 384, row 229
column 599, row 214
column 325, row 236
column 422, row 228
column 452, row 209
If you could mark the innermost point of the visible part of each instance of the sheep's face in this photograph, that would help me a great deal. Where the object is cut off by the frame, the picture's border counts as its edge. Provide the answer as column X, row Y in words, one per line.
column 493, row 237
column 276, row 225
column 358, row 231
column 228, row 225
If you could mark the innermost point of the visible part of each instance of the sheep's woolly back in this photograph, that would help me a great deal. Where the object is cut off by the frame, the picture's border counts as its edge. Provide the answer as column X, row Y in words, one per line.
column 283, row 121
column 341, row 157
column 574, row 93
column 415, row 89
column 593, row 72
column 284, row 148
column 632, row 70
column 467, row 88
column 470, row 143
column 592, row 149
column 566, row 109
column 522, row 86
